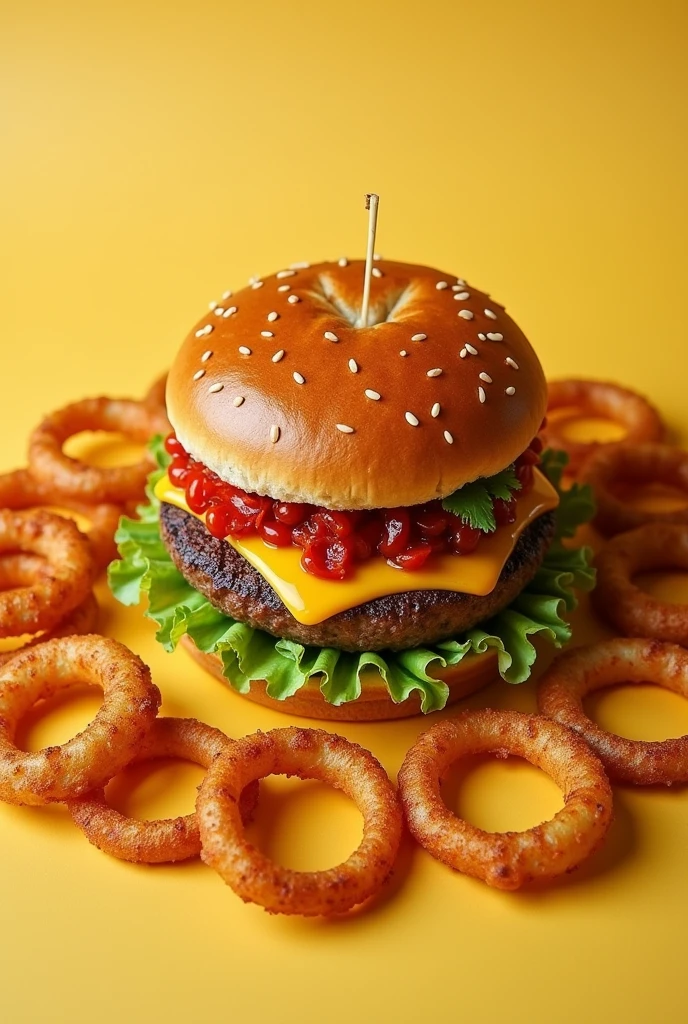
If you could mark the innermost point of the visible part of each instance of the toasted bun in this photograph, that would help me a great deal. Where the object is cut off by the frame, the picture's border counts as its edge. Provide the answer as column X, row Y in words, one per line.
column 280, row 397
column 375, row 703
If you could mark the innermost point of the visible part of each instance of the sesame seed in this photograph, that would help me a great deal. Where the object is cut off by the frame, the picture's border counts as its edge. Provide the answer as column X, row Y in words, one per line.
column 267, row 334
column 278, row 355
column 252, row 280
column 410, row 418
column 299, row 378
column 244, row 351
column 436, row 410
column 463, row 353
column 481, row 394
column 239, row 400
column 376, row 272
column 226, row 295
column 437, row 372
column 462, row 296
column 285, row 273
column 212, row 305
column 202, row 331
column 344, row 428
column 343, row 261
column 229, row 312
column 511, row 362
column 377, row 256
column 329, row 336
column 273, row 316
column 461, row 281
column 510, row 391
column 274, row 433
column 495, row 336
column 403, row 352
column 283, row 287
column 486, row 377
column 374, row 395
column 419, row 337
column 441, row 285
column 448, row 438
column 293, row 299
column 299, row 266
column 482, row 337
column 257, row 284
column 198, row 374
column 206, row 356
column 214, row 388
column 456, row 287
column 488, row 312
column 218, row 310
column 466, row 314
column 473, row 351
column 353, row 366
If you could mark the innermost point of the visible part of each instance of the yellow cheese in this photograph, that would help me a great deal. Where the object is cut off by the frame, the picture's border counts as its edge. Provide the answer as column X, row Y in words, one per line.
column 311, row 600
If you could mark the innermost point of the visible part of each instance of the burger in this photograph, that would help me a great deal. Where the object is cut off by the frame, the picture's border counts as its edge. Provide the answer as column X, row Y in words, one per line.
column 355, row 517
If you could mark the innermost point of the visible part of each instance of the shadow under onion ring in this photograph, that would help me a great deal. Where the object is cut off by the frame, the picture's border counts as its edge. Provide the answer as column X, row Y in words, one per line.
column 582, row 671
column 507, row 860
column 308, row 754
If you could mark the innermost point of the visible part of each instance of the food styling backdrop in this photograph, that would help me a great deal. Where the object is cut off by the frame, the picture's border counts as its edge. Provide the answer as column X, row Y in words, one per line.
column 155, row 154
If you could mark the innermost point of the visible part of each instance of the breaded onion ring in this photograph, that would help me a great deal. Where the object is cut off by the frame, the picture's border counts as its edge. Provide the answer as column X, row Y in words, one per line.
column 309, row 754
column 65, row 582
column 94, row 484
column 609, row 401
column 582, row 671
column 634, row 464
column 507, row 860
column 626, row 606
column 19, row 490
column 130, row 704
column 164, row 840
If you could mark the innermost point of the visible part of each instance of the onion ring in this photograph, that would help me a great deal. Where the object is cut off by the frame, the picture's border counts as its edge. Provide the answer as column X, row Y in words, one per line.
column 94, row 484
column 65, row 582
column 507, row 860
column 609, row 401
column 130, row 704
column 582, row 671
column 634, row 464
column 626, row 606
column 162, row 841
column 21, row 491
column 309, row 754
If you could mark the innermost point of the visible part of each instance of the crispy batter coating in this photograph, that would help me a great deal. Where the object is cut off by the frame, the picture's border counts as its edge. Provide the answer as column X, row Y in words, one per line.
column 507, row 860
column 582, row 671
column 308, row 754
column 106, row 745
column 164, row 840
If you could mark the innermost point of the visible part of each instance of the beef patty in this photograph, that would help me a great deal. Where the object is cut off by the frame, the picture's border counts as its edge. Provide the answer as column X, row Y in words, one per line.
column 396, row 621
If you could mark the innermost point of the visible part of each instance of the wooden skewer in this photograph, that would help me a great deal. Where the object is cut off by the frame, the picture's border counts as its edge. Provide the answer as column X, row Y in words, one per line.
column 371, row 203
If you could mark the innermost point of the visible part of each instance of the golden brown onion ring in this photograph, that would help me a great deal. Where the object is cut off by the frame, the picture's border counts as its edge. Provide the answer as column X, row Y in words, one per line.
column 130, row 704
column 582, row 671
column 164, row 840
column 507, row 860
column 309, row 754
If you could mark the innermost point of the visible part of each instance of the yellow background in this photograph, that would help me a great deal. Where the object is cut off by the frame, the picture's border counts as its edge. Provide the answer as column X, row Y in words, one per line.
column 154, row 154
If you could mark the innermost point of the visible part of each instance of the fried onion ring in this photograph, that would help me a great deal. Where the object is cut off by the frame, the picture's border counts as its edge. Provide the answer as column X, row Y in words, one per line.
column 162, row 841
column 623, row 604
column 19, row 490
column 634, row 464
column 81, row 620
column 609, row 401
column 507, row 860
column 68, row 476
column 130, row 704
column 309, row 754
column 582, row 671
column 65, row 582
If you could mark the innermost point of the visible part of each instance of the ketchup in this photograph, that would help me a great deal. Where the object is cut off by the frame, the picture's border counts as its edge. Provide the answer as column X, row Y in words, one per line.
column 334, row 541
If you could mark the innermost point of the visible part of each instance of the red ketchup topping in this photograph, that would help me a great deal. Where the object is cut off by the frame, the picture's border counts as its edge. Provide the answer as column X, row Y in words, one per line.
column 333, row 542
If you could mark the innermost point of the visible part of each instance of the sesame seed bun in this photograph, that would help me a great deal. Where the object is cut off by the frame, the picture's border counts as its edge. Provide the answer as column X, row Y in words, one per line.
column 280, row 392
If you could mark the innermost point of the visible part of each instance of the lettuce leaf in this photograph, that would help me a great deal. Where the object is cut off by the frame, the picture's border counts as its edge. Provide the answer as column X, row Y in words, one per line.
column 250, row 654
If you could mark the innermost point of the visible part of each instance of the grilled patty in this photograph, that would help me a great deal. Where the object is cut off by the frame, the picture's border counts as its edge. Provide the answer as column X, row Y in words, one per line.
column 394, row 622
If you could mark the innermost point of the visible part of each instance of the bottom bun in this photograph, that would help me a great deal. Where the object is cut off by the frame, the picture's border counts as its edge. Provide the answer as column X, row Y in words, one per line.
column 374, row 704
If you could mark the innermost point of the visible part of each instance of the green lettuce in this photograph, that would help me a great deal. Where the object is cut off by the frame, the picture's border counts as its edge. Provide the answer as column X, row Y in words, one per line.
column 250, row 654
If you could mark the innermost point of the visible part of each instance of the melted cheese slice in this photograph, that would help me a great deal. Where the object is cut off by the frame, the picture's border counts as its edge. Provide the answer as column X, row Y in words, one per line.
column 311, row 600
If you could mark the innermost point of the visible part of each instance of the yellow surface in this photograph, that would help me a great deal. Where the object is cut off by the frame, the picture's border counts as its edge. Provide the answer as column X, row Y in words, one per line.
column 311, row 600
column 154, row 154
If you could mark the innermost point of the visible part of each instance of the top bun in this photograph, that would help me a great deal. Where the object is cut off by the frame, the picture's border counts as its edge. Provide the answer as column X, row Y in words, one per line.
column 279, row 391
